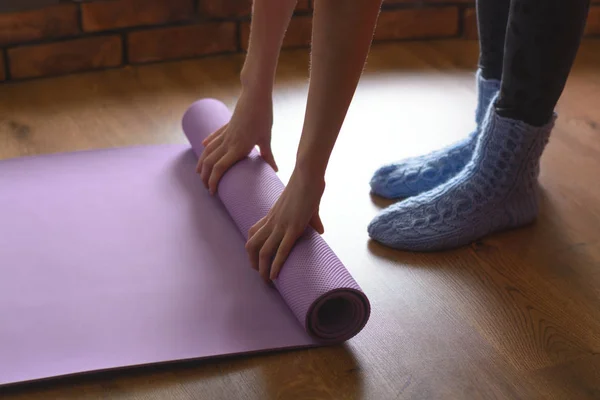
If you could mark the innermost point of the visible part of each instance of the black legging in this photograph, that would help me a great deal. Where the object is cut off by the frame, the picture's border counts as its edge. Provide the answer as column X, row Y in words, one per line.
column 530, row 45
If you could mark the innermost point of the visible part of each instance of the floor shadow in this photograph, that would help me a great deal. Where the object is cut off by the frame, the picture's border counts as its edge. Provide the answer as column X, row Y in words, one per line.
column 323, row 373
column 504, row 275
column 382, row 202
column 162, row 375
column 166, row 378
column 543, row 233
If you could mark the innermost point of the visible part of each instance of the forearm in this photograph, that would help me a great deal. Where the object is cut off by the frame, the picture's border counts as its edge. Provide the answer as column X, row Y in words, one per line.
column 270, row 19
column 342, row 35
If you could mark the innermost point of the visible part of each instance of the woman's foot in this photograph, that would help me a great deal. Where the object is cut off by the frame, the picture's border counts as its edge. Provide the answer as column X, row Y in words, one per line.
column 416, row 175
column 494, row 192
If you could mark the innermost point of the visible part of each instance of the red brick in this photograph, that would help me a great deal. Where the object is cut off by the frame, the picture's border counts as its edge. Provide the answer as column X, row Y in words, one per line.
column 593, row 22
column 45, row 23
column 417, row 23
column 298, row 34
column 245, row 35
column 2, row 73
column 225, row 8
column 303, row 5
column 427, row 1
column 470, row 30
column 111, row 14
column 65, row 57
column 236, row 8
column 181, row 42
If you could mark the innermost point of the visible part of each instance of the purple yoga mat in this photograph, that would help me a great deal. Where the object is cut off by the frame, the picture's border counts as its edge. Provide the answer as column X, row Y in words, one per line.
column 117, row 258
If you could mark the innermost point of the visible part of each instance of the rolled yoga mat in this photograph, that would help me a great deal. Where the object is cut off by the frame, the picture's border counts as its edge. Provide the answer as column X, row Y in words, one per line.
column 118, row 258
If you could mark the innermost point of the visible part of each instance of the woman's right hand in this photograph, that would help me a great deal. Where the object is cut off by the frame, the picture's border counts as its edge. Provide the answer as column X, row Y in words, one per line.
column 250, row 126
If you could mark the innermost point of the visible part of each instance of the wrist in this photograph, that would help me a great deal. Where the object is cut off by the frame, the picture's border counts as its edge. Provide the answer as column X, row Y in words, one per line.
column 257, row 81
column 311, row 185
column 308, row 169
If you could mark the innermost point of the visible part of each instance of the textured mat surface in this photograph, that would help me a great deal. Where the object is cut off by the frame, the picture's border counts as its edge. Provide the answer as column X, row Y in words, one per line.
column 115, row 258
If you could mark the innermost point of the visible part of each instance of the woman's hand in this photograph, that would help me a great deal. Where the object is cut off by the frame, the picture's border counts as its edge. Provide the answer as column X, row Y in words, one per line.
column 272, row 238
column 250, row 125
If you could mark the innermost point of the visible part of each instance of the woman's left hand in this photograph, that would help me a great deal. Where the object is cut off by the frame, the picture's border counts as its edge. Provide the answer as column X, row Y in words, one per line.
column 272, row 238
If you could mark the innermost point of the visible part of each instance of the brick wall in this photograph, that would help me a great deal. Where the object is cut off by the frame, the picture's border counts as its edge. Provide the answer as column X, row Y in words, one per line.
column 81, row 35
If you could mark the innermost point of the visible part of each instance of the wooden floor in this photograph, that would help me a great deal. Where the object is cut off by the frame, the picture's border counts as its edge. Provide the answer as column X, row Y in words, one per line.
column 516, row 315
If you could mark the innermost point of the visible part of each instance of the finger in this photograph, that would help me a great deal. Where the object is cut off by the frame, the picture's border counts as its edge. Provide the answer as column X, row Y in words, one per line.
column 213, row 135
column 317, row 224
column 285, row 247
column 254, row 245
column 207, row 152
column 266, row 254
column 220, row 168
column 256, row 227
column 267, row 155
column 209, row 162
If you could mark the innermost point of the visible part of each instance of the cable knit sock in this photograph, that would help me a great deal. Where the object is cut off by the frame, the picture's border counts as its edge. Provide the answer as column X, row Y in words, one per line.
column 497, row 190
column 412, row 176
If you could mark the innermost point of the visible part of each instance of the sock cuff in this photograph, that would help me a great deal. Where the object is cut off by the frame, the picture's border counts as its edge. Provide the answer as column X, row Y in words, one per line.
column 515, row 136
column 487, row 90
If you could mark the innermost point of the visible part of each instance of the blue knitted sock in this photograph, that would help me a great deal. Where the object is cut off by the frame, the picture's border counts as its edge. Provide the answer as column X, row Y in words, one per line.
column 412, row 176
column 497, row 190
